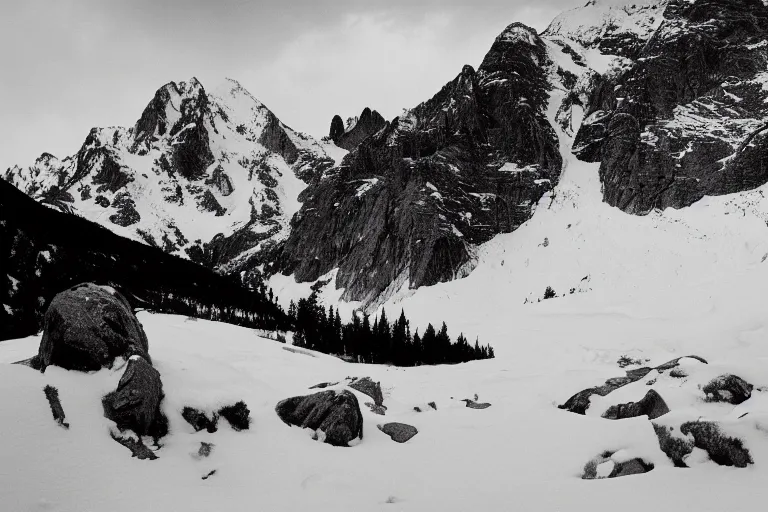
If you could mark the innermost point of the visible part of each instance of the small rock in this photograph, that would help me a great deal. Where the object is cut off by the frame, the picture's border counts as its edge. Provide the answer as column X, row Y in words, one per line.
column 204, row 450
column 399, row 432
column 209, row 474
column 323, row 385
column 651, row 405
column 336, row 414
column 417, row 409
column 475, row 405
column 675, row 362
column 728, row 388
column 432, row 405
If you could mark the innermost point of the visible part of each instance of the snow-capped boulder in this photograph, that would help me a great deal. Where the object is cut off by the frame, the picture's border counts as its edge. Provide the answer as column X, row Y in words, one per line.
column 87, row 327
column 334, row 415
column 728, row 388
column 135, row 404
column 651, row 405
column 399, row 432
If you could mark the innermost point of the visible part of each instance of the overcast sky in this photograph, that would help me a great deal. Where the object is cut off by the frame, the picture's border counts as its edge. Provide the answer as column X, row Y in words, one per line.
column 69, row 65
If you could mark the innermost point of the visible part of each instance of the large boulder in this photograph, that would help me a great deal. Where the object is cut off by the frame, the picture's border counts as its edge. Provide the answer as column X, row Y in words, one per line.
column 651, row 405
column 87, row 327
column 334, row 415
column 135, row 404
column 728, row 388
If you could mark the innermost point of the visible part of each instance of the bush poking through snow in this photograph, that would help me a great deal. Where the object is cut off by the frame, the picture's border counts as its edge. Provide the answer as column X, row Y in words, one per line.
column 237, row 415
column 625, row 361
column 549, row 293
column 52, row 394
column 676, row 448
column 199, row 420
column 724, row 450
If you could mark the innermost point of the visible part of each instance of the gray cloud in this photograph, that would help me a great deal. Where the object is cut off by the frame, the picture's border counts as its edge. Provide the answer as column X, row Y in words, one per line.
column 69, row 65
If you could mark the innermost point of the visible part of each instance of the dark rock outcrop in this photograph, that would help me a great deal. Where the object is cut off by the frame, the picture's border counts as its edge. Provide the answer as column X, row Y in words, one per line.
column 335, row 416
column 87, row 327
column 368, row 387
column 411, row 202
column 579, row 403
column 651, row 405
column 337, row 128
column 52, row 395
column 728, row 388
column 686, row 119
column 199, row 420
column 399, row 432
column 135, row 404
column 363, row 127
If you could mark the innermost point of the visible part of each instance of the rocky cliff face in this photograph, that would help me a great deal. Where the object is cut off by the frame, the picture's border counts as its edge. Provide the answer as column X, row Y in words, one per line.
column 685, row 118
column 411, row 202
column 211, row 176
column 358, row 129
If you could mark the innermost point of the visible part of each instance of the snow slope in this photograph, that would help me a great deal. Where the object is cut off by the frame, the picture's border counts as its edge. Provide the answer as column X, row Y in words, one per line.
column 522, row 453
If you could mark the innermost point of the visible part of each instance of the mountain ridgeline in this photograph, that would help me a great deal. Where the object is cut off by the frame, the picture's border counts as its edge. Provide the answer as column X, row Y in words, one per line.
column 672, row 94
column 410, row 203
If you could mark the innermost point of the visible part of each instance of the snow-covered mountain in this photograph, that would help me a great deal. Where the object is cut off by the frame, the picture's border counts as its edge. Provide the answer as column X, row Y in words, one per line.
column 213, row 176
column 673, row 95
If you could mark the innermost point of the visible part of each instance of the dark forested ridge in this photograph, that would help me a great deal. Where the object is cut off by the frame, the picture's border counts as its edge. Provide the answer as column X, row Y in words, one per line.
column 43, row 252
column 381, row 342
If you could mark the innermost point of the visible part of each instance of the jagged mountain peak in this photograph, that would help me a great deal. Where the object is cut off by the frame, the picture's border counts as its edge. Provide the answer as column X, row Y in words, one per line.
column 198, row 165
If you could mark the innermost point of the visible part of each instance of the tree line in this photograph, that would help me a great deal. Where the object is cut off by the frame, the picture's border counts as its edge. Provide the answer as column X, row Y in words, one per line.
column 380, row 342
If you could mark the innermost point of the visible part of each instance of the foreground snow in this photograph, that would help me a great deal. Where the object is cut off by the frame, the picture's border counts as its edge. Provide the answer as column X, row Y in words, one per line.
column 522, row 453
